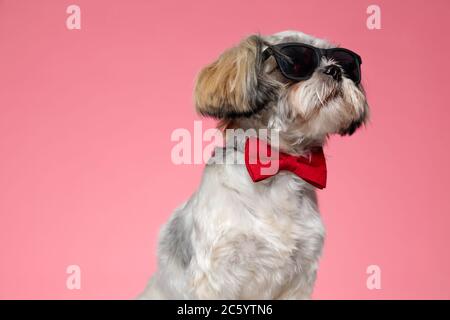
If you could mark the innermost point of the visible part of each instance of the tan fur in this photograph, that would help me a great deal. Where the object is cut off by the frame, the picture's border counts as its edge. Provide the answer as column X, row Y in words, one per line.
column 222, row 86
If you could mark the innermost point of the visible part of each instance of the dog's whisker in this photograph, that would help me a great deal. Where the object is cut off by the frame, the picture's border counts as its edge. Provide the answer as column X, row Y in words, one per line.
column 318, row 97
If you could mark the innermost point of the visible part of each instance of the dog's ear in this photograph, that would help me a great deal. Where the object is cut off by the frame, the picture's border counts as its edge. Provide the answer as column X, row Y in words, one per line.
column 234, row 85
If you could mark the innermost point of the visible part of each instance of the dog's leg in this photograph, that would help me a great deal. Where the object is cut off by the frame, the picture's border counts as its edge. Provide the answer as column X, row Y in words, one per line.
column 152, row 291
column 240, row 266
column 301, row 287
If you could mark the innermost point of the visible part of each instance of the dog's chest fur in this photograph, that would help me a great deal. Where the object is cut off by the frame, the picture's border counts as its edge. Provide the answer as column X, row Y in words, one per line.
column 238, row 239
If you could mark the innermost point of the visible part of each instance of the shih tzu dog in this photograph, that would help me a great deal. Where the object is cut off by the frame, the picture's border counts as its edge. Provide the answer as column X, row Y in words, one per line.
column 245, row 234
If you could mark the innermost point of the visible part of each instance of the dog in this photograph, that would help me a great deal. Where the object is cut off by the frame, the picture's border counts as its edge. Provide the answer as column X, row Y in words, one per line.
column 246, row 237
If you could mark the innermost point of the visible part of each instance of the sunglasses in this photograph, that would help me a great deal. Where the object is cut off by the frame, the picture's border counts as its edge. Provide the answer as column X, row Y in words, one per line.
column 298, row 61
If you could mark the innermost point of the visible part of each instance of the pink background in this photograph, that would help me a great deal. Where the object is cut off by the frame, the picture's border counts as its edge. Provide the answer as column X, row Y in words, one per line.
column 86, row 116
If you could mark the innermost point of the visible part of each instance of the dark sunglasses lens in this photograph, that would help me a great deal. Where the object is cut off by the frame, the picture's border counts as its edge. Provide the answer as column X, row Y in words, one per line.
column 349, row 63
column 300, row 62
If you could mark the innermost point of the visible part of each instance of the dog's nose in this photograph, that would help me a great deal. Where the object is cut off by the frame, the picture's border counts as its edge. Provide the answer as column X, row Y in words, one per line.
column 333, row 71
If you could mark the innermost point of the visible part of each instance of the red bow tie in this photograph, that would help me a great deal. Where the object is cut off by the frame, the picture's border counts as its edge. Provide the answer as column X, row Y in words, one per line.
column 261, row 166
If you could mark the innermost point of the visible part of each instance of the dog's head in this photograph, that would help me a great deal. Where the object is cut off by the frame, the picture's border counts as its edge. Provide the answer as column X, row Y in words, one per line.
column 305, row 91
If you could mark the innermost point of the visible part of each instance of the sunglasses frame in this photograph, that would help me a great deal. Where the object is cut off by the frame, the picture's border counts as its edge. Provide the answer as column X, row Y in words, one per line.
column 275, row 51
